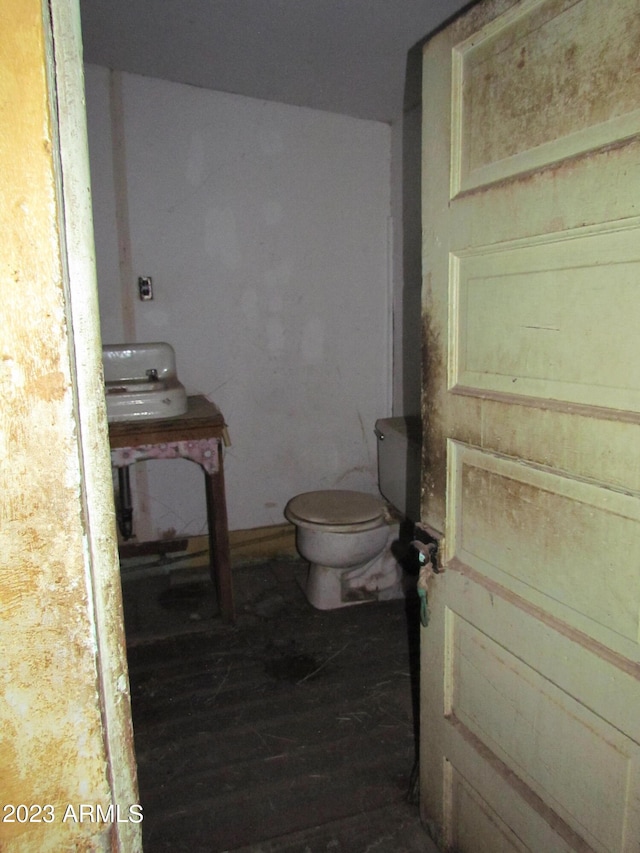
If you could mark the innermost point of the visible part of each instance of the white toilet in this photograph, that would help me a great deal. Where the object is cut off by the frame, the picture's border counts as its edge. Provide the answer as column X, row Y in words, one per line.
column 346, row 536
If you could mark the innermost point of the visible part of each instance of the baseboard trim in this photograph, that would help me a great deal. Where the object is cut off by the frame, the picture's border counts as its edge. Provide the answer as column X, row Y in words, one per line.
column 253, row 545
column 277, row 540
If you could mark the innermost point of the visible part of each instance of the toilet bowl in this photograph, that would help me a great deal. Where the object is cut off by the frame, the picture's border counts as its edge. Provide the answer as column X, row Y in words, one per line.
column 346, row 536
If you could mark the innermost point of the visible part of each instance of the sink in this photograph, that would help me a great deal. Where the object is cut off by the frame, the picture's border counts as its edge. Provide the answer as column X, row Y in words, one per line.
column 141, row 382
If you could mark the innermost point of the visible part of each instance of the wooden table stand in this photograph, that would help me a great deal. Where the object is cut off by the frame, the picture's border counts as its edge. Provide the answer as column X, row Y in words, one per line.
column 198, row 435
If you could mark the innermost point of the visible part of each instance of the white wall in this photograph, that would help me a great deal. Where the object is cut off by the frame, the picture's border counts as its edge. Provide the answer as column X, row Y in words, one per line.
column 407, row 262
column 103, row 201
column 266, row 230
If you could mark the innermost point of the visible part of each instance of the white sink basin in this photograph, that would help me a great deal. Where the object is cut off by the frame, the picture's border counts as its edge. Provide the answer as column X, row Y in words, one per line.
column 141, row 382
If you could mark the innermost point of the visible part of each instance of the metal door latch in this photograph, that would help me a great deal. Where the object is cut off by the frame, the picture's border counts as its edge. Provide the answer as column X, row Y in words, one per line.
column 426, row 554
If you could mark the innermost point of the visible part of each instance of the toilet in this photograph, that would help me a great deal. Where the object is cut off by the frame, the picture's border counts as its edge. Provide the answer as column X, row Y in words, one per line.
column 346, row 536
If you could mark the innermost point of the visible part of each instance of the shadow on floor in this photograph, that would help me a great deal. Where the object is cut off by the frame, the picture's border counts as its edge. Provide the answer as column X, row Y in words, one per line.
column 292, row 730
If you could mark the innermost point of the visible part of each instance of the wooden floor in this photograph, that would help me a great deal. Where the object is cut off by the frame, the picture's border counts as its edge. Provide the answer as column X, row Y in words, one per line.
column 292, row 730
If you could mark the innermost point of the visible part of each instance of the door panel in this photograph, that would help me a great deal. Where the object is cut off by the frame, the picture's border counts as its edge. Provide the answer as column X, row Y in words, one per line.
column 546, row 297
column 518, row 524
column 530, row 733
column 538, row 730
column 536, row 756
column 477, row 825
column 539, row 85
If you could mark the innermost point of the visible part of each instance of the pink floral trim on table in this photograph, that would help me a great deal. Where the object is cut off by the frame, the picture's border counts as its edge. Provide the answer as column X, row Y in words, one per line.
column 204, row 451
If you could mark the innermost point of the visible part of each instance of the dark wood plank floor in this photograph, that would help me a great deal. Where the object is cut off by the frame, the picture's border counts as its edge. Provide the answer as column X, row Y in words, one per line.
column 292, row 730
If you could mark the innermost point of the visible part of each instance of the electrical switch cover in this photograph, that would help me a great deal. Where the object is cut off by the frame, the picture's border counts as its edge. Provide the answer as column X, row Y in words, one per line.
column 145, row 288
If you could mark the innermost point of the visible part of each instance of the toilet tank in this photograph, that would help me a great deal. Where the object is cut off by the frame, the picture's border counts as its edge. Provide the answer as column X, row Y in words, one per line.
column 399, row 463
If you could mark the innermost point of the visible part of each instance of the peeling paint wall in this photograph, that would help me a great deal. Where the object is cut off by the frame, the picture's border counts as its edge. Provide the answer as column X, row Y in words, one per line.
column 53, row 746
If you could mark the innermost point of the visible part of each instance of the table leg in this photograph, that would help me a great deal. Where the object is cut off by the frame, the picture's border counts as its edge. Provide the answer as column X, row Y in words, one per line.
column 219, row 558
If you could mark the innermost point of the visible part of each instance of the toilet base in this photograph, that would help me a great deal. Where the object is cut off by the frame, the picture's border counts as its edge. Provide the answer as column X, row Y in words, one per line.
column 379, row 579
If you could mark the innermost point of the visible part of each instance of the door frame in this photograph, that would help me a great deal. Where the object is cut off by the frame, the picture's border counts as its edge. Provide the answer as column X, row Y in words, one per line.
column 64, row 67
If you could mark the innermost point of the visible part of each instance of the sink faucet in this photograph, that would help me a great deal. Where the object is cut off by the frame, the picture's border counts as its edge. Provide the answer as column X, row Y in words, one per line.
column 152, row 374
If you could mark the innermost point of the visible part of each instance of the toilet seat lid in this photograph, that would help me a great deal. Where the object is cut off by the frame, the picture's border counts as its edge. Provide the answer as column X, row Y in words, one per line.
column 336, row 507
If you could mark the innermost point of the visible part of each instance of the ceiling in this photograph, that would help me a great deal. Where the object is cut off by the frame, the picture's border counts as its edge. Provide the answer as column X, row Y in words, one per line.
column 344, row 56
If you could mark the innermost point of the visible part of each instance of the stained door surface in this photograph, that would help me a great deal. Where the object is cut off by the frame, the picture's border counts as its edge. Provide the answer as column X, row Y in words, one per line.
column 530, row 694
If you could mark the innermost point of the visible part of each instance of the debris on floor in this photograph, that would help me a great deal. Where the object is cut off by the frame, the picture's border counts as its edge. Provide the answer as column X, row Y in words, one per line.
column 291, row 731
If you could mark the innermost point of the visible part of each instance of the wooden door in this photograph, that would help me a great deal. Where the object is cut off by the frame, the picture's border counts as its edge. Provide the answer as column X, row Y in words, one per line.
column 530, row 705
